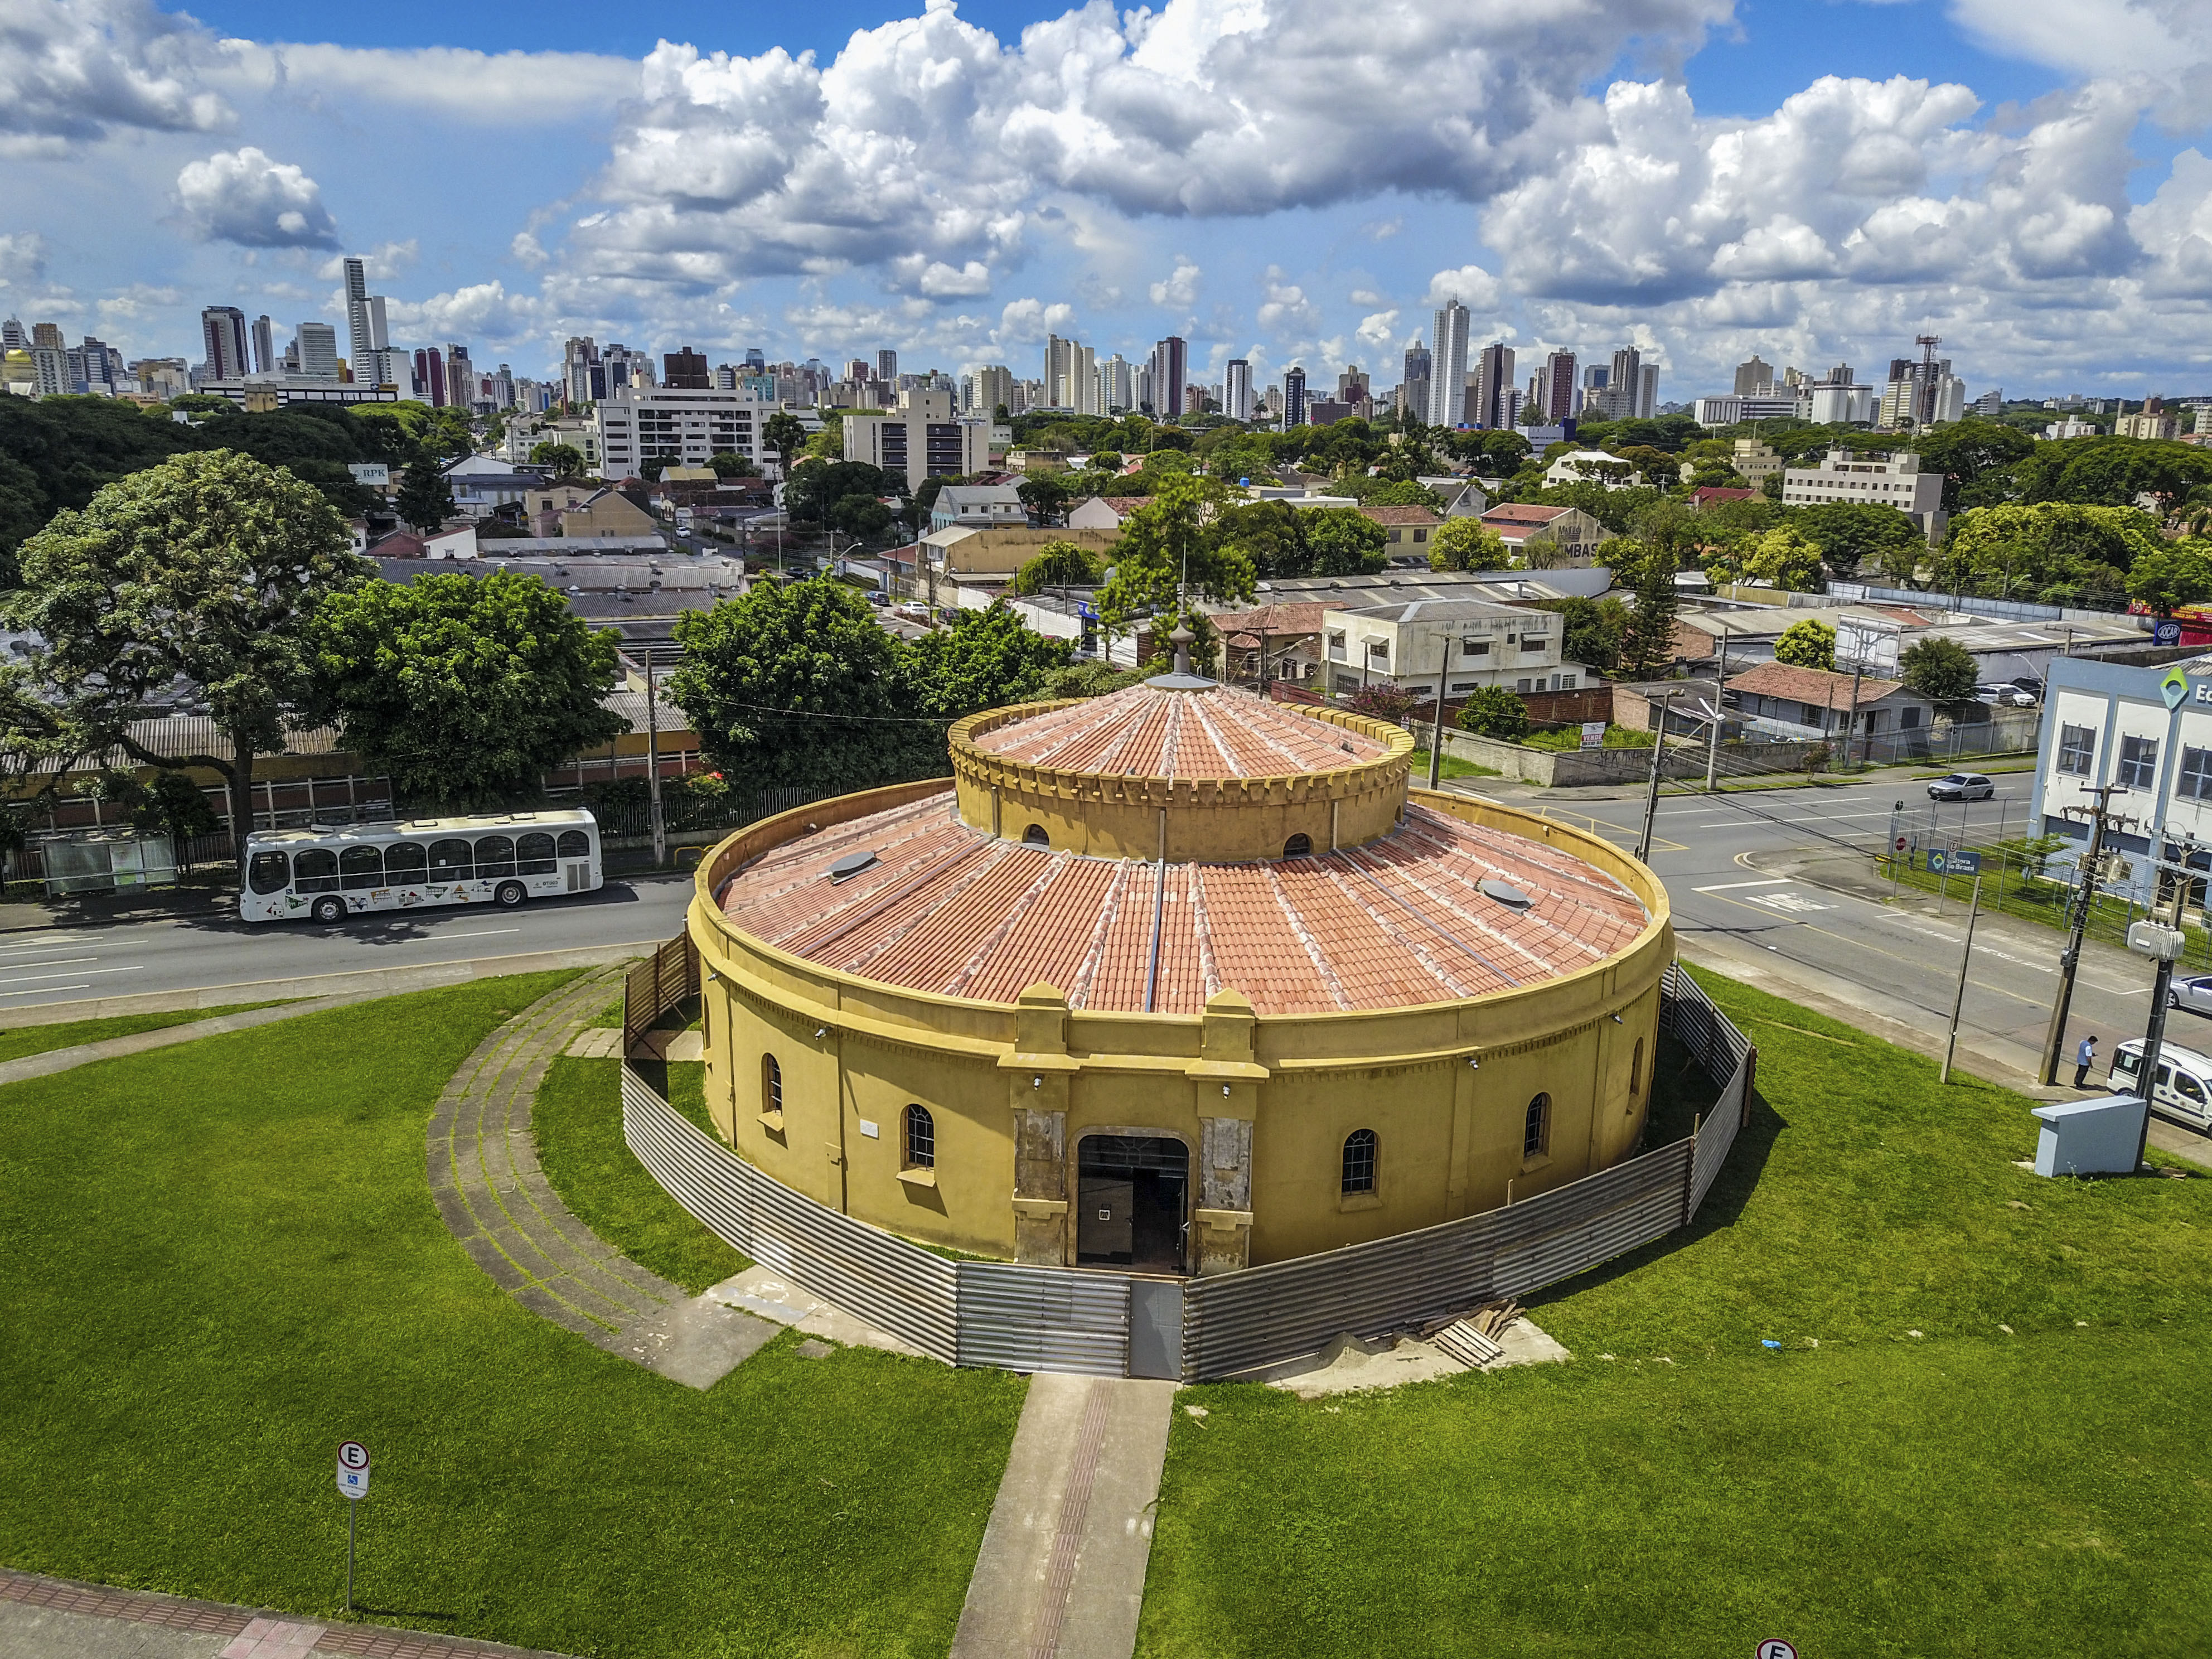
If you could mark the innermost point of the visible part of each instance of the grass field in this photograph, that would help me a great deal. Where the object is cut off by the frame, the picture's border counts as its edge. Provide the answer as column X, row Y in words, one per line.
column 578, row 1120
column 25, row 1040
column 1903, row 1475
column 1452, row 767
column 219, row 1259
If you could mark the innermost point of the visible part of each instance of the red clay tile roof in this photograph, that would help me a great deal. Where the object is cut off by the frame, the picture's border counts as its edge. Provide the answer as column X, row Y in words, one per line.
column 1524, row 512
column 1708, row 494
column 1274, row 619
column 1221, row 734
column 1399, row 922
column 1811, row 685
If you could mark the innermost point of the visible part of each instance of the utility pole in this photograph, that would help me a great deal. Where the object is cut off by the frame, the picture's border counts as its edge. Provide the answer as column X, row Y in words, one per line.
column 1651, row 801
column 1436, row 732
column 652, row 764
column 1965, row 959
column 2054, row 1043
column 1851, row 746
column 1720, row 703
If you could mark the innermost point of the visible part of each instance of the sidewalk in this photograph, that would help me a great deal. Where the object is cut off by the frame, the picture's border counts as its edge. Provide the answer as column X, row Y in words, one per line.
column 114, row 909
column 55, row 1618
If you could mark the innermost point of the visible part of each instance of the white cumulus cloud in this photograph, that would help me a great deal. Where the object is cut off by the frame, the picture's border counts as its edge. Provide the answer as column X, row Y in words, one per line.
column 72, row 70
column 243, row 196
column 22, row 258
column 1179, row 290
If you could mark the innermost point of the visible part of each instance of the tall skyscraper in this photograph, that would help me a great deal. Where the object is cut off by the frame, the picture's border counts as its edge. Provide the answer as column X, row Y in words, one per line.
column 887, row 366
column 579, row 359
column 755, row 361
column 319, row 351
column 1236, row 389
column 995, row 387
column 1448, row 365
column 685, row 370
column 460, row 377
column 367, row 336
column 1413, row 383
column 222, row 329
column 1351, row 385
column 1647, row 392
column 265, row 345
column 1117, row 385
column 12, row 337
column 1494, row 387
column 430, row 376
column 1294, row 397
column 1754, row 377
column 1170, row 369
column 1556, row 401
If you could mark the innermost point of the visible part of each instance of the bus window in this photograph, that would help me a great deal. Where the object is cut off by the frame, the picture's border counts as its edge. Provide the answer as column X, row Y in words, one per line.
column 495, row 857
column 270, row 873
column 576, row 844
column 449, row 860
column 533, row 855
column 404, row 863
column 361, row 867
column 315, row 871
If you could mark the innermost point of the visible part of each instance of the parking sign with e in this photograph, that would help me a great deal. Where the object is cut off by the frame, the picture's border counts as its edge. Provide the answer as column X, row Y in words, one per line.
column 353, row 1469
column 1775, row 1648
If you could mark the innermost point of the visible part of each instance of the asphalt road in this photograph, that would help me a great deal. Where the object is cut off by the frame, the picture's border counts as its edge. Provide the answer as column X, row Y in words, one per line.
column 1719, row 856
column 72, row 964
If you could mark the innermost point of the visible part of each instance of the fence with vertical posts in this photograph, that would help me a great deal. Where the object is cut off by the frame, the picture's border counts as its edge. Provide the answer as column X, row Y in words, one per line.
column 660, row 982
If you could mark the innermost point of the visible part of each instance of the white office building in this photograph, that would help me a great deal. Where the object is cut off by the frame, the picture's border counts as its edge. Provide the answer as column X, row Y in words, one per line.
column 678, row 427
column 1236, row 389
column 921, row 438
column 1841, row 405
column 318, row 346
column 1873, row 479
column 1448, row 366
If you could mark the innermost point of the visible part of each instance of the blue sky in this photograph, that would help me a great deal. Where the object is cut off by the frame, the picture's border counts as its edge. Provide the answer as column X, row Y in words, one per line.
column 1287, row 181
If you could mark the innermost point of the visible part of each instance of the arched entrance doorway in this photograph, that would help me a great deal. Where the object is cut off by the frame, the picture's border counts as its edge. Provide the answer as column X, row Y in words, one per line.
column 1135, row 1192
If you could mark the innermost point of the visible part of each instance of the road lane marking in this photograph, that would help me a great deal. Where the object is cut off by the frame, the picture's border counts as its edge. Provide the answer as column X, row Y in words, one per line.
column 432, row 938
column 31, row 978
column 47, row 990
column 1863, row 944
column 50, row 962
column 78, row 944
column 1723, row 887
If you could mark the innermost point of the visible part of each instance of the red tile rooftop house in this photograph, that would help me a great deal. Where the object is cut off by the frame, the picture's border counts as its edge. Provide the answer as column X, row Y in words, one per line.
column 1177, row 980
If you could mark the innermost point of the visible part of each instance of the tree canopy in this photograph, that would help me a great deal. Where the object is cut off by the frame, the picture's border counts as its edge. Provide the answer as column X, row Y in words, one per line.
column 2052, row 552
column 203, row 571
column 1494, row 712
column 1166, row 548
column 426, row 496
column 1056, row 564
column 986, row 658
column 462, row 689
column 1467, row 544
column 1806, row 644
column 2173, row 577
column 1939, row 668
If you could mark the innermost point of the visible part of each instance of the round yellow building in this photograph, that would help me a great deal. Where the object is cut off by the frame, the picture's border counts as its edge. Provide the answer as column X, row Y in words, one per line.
column 1176, row 980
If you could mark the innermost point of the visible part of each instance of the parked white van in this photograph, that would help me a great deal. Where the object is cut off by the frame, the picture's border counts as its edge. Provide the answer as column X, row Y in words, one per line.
column 2184, row 1081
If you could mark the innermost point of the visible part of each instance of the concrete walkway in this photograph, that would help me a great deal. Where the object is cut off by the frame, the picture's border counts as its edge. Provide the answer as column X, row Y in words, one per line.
column 55, row 1618
column 63, row 1060
column 482, row 1161
column 1062, row 1572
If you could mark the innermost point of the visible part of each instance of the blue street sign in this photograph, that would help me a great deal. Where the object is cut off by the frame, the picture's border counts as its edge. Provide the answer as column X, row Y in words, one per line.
column 1954, row 863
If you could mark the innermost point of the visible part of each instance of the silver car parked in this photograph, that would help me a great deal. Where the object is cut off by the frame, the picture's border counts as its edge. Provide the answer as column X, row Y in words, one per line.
column 1962, row 785
column 2194, row 995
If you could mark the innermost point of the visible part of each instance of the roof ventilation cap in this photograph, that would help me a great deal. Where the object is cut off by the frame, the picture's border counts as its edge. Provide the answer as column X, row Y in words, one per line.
column 1505, row 893
column 849, row 867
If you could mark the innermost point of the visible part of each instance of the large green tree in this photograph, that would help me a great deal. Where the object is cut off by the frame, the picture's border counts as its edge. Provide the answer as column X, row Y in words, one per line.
column 1057, row 564
column 798, row 686
column 1857, row 538
column 462, row 689
column 2167, row 578
column 1647, row 638
column 987, row 658
column 426, row 496
column 786, row 433
column 1467, row 544
column 1808, row 644
column 2054, row 552
column 1165, row 559
column 1939, row 668
column 1345, row 541
column 55, row 453
column 2112, row 472
column 202, row 573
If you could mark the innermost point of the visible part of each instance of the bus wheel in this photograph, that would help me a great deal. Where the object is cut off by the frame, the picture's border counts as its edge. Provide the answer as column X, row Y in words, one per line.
column 510, row 894
column 327, row 909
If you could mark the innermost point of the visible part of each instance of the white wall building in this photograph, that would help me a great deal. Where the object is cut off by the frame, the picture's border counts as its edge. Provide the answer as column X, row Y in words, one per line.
column 1448, row 366
column 1878, row 479
column 1837, row 406
column 921, row 438
column 1473, row 642
column 680, row 427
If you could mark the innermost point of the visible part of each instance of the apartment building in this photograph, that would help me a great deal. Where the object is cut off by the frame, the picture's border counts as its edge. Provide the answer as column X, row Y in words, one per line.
column 920, row 438
column 1472, row 642
column 1880, row 479
column 677, row 426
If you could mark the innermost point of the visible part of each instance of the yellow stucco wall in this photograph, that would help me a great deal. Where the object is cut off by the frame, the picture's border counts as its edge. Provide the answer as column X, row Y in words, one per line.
column 1449, row 1133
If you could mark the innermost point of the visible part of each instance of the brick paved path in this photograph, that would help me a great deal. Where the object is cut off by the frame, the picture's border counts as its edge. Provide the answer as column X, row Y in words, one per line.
column 484, row 1176
column 55, row 1618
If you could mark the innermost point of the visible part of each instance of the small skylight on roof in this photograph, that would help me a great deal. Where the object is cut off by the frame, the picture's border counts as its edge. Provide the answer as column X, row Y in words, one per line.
column 1505, row 893
column 849, row 867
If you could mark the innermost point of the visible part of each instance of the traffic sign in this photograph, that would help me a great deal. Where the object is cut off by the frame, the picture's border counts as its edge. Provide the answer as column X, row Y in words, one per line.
column 1775, row 1648
column 1900, row 844
column 1954, row 863
column 353, row 1469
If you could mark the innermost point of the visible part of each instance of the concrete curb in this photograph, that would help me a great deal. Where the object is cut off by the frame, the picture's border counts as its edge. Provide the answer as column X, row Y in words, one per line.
column 366, row 981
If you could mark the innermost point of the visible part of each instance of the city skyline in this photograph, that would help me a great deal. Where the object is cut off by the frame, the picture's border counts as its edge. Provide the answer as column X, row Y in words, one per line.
column 1699, row 193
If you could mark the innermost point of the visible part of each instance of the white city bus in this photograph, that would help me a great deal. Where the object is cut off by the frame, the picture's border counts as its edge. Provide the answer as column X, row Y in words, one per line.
column 329, row 874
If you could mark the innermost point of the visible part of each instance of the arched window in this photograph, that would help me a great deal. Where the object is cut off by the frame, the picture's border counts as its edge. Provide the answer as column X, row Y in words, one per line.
column 921, row 1139
column 1536, row 1128
column 1036, row 837
column 574, row 844
column 1297, row 846
column 771, row 1085
column 1359, row 1161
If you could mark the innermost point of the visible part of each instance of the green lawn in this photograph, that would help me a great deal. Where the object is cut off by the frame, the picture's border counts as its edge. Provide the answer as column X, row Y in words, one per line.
column 219, row 1259
column 1453, row 767
column 1902, row 1476
column 42, row 1039
column 578, row 1120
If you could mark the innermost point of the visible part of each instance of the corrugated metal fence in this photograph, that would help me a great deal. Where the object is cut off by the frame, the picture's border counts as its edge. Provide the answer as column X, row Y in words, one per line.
column 981, row 1313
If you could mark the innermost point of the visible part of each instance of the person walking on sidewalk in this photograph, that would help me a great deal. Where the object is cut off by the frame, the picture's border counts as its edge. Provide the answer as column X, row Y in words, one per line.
column 2085, row 1056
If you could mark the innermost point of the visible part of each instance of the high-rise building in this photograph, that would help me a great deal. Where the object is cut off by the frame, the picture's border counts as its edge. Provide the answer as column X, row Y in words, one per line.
column 1647, row 392
column 1494, row 387
column 887, row 367
column 1623, row 381
column 1840, row 376
column 1351, row 385
column 1294, row 397
column 461, row 388
column 12, row 337
column 685, row 370
column 1555, row 401
column 367, row 336
column 1170, row 369
column 579, row 359
column 1413, row 383
column 265, row 345
column 920, row 438
column 222, row 330
column 1117, row 383
column 318, row 344
column 994, row 389
column 1448, row 365
column 755, row 361
column 430, row 376
column 1754, row 377
column 1236, row 389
